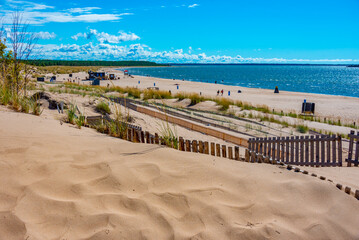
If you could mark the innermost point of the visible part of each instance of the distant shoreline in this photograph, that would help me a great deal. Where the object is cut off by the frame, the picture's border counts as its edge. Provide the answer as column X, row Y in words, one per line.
column 231, row 85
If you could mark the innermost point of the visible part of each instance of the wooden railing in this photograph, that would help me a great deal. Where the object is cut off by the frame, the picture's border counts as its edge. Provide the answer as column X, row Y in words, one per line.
column 353, row 154
column 305, row 151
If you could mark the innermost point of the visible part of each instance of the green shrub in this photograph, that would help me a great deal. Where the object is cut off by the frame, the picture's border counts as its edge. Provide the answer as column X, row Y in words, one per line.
column 80, row 121
column 103, row 108
column 71, row 113
column 302, row 128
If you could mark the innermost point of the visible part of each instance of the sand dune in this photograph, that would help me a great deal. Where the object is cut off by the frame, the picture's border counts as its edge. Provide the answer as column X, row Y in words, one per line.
column 58, row 182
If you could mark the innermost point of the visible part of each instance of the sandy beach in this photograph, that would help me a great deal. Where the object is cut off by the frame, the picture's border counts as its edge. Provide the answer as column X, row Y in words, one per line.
column 66, row 183
column 338, row 107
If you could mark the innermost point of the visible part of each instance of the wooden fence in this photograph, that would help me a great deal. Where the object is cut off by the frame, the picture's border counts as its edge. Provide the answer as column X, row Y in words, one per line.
column 305, row 151
column 353, row 154
column 202, row 147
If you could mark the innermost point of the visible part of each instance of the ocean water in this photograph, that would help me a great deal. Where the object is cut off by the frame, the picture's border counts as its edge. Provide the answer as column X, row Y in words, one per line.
column 333, row 80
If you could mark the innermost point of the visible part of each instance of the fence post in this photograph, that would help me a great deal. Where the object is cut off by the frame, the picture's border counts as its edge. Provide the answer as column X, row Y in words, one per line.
column 350, row 154
column 147, row 137
column 356, row 159
column 194, row 146
column 156, row 139
column 230, row 153
column 181, row 144
column 213, row 149
column 218, row 150
column 206, row 148
column 306, row 150
column 322, row 151
column 224, row 152
column 247, row 155
column 188, row 146
column 317, row 153
column 340, row 153
column 142, row 137
column 334, row 152
column 236, row 153
column 200, row 147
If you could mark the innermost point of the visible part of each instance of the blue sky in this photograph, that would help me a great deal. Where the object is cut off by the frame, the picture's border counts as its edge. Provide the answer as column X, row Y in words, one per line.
column 223, row 31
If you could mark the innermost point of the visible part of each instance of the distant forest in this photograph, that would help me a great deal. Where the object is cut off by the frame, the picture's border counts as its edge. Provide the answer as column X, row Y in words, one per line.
column 93, row 63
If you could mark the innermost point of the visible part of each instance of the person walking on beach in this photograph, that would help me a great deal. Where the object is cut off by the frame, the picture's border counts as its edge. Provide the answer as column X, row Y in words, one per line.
column 217, row 92
column 222, row 92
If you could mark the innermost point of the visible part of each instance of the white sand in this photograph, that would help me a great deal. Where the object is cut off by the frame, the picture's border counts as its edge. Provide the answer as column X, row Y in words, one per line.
column 59, row 182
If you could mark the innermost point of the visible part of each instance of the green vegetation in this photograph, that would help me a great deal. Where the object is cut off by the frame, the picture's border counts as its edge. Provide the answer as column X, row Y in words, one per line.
column 45, row 62
column 71, row 113
column 103, row 108
column 80, row 121
column 195, row 98
column 302, row 129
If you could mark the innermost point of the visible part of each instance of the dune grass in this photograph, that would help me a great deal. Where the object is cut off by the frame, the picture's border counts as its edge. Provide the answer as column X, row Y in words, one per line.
column 103, row 108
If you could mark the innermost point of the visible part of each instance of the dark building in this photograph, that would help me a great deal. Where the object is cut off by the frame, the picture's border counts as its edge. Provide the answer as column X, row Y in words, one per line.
column 96, row 75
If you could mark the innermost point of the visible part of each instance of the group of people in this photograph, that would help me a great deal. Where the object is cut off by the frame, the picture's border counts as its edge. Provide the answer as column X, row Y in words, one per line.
column 220, row 92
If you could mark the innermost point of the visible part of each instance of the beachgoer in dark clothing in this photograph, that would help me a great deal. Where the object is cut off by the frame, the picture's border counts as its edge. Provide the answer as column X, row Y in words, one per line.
column 217, row 92
column 222, row 92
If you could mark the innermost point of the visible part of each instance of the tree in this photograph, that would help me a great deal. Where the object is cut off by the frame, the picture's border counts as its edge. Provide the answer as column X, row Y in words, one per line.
column 5, row 59
column 22, row 43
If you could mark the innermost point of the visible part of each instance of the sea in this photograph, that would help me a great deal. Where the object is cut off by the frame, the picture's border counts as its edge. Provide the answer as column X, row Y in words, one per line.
column 321, row 79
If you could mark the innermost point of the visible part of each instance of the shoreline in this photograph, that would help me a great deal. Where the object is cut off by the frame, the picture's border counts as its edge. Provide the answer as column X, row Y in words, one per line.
column 240, row 85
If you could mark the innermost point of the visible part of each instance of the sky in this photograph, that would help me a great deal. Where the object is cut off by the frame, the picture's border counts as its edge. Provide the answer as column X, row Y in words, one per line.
column 193, row 31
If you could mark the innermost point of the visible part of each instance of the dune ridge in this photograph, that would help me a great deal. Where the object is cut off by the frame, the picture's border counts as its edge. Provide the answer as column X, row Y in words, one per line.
column 59, row 182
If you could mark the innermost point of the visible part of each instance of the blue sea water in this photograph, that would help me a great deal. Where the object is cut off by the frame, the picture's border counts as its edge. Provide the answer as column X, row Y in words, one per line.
column 333, row 80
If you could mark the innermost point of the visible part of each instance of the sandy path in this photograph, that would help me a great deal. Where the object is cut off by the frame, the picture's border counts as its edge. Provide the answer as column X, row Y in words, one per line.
column 58, row 182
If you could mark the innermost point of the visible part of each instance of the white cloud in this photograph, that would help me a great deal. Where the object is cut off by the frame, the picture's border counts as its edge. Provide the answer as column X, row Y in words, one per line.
column 83, row 10
column 193, row 5
column 104, row 51
column 103, row 37
column 35, row 13
column 46, row 35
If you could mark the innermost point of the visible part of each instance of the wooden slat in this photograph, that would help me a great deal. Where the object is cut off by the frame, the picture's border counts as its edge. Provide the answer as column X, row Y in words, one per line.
column 194, row 146
column 265, row 147
column 306, row 148
column 350, row 153
column 292, row 150
column 236, row 153
column 188, row 146
column 142, row 137
column 301, row 150
column 206, row 148
column 230, row 153
column 148, row 137
column 157, row 141
column 296, row 150
column 278, row 148
column 328, row 151
column 287, row 149
column 356, row 151
column 218, row 150
column 317, row 151
column 200, row 147
column 273, row 148
column 224, row 151
column 213, row 149
column 334, row 152
column 181, row 144
column 312, row 143
column 322, row 151
column 340, row 153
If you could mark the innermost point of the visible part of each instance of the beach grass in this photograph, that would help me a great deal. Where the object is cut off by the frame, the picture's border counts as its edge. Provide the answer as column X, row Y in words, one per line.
column 103, row 108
